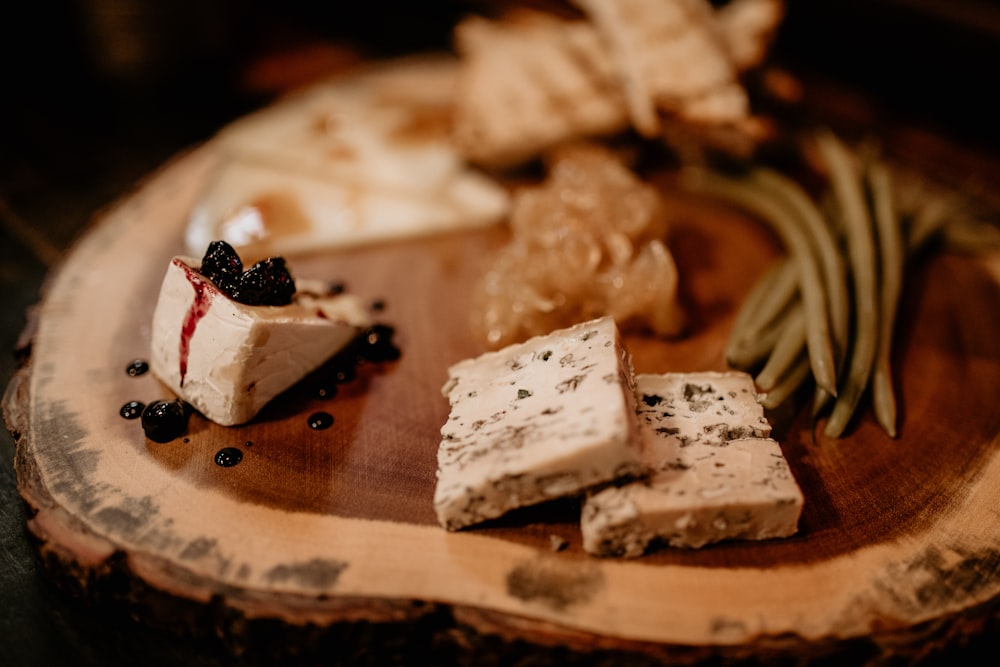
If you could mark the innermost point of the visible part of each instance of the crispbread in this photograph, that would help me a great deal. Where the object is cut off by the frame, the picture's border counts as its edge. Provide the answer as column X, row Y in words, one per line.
column 748, row 27
column 530, row 81
column 670, row 56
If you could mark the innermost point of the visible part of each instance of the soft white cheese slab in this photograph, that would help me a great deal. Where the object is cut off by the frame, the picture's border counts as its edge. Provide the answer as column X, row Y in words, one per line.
column 357, row 159
column 227, row 359
column 715, row 473
column 542, row 419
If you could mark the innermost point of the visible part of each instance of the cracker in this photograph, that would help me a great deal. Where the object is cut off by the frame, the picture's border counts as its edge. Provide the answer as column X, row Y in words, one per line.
column 670, row 56
column 531, row 81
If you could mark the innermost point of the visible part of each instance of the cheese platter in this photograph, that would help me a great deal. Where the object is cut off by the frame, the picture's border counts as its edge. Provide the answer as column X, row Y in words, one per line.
column 317, row 511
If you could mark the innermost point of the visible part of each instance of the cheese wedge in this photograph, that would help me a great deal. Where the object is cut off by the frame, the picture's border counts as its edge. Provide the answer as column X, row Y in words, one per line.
column 227, row 359
column 542, row 419
column 361, row 158
column 715, row 473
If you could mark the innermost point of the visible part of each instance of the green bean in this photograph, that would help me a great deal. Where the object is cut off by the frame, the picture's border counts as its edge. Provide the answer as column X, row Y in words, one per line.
column 758, row 292
column 810, row 286
column 926, row 221
column 749, row 351
column 891, row 272
column 846, row 185
column 786, row 350
column 824, row 246
column 791, row 381
column 966, row 234
column 766, row 300
column 821, row 399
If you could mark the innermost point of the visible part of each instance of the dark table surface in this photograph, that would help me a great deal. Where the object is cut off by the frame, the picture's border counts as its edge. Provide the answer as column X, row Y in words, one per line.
column 80, row 125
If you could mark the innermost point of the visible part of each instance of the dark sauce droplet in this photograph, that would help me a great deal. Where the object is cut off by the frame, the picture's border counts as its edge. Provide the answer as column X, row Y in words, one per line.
column 227, row 457
column 132, row 410
column 137, row 367
column 345, row 373
column 377, row 344
column 326, row 391
column 319, row 421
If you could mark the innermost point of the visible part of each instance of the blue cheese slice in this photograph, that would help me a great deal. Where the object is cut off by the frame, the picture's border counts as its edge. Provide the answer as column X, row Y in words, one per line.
column 227, row 359
column 537, row 420
column 716, row 475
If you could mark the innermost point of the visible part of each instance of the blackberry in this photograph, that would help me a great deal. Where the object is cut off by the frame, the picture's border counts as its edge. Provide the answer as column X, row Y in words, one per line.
column 222, row 265
column 165, row 420
column 266, row 283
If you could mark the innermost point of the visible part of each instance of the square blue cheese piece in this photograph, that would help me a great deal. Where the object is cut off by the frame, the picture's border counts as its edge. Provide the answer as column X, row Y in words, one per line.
column 538, row 420
column 715, row 473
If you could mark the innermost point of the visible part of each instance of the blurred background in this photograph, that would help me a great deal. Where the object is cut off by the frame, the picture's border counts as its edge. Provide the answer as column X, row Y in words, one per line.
column 96, row 94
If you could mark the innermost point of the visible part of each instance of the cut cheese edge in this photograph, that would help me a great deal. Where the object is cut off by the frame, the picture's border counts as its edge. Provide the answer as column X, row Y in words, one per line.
column 227, row 359
column 538, row 420
column 715, row 473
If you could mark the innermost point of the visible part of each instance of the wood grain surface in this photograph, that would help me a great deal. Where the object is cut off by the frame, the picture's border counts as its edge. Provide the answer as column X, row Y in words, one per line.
column 898, row 547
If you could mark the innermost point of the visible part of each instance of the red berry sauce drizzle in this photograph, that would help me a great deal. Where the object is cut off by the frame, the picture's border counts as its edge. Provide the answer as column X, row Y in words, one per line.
column 203, row 292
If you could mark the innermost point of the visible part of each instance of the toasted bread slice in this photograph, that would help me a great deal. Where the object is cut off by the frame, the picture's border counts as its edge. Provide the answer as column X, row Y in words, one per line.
column 671, row 56
column 748, row 28
column 531, row 81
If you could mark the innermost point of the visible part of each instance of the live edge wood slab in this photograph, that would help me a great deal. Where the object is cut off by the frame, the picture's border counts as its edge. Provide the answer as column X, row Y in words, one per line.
column 327, row 537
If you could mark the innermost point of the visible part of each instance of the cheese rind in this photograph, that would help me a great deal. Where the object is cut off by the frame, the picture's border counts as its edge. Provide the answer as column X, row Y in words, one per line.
column 227, row 359
column 715, row 475
column 542, row 419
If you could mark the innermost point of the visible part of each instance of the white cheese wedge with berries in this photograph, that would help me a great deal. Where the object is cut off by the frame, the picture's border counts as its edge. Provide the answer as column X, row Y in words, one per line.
column 538, row 420
column 229, row 359
column 715, row 473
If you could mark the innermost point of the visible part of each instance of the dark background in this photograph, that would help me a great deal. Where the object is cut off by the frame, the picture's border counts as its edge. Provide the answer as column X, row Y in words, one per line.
column 95, row 94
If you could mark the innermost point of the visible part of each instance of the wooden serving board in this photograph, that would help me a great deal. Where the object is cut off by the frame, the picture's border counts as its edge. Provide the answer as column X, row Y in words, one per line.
column 898, row 547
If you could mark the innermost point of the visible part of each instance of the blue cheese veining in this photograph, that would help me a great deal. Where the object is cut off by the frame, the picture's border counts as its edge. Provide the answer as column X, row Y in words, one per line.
column 716, row 475
column 545, row 418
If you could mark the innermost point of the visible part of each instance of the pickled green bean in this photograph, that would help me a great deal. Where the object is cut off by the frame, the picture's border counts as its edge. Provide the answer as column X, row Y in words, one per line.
column 890, row 243
column 748, row 352
column 824, row 245
column 846, row 184
column 786, row 350
column 758, row 202
column 788, row 384
column 769, row 296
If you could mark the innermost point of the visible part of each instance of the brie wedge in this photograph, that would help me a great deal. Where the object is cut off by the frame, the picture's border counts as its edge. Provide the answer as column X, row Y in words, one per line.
column 715, row 473
column 534, row 421
column 360, row 158
column 227, row 359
